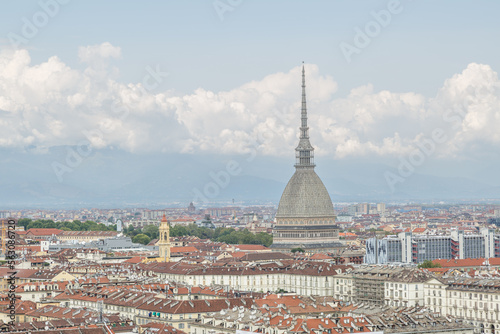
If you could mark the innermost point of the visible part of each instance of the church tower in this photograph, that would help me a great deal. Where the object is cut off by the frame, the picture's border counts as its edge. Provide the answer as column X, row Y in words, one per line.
column 305, row 216
column 164, row 241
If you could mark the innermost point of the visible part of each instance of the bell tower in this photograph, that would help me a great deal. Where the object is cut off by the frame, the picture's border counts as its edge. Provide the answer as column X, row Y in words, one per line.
column 164, row 241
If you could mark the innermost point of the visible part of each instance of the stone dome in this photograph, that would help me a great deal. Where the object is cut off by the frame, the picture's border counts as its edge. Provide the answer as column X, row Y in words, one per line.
column 305, row 196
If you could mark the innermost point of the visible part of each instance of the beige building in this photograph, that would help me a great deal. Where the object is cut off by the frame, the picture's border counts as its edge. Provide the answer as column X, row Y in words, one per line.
column 180, row 314
column 303, row 278
column 473, row 299
column 37, row 291
column 392, row 286
column 86, row 235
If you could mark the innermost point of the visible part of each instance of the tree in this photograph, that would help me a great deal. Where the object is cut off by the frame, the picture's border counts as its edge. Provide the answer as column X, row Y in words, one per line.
column 231, row 238
column 134, row 232
column 429, row 264
column 263, row 238
column 141, row 239
column 178, row 231
column 24, row 222
column 298, row 249
column 151, row 231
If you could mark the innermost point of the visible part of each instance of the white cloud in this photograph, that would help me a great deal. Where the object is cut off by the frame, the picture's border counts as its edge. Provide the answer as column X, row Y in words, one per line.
column 52, row 104
column 92, row 53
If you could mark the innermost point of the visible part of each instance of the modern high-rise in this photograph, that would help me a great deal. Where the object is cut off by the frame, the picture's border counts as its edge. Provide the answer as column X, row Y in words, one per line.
column 408, row 248
column 305, row 216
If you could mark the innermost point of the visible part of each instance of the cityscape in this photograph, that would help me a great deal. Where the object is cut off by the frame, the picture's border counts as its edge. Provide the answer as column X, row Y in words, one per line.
column 233, row 167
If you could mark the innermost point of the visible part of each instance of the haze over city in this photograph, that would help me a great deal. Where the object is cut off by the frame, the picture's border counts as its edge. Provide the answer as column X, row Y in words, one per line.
column 148, row 105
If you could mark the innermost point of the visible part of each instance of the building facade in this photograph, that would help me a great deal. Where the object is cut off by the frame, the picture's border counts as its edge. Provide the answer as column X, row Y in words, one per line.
column 476, row 300
column 383, row 285
column 411, row 248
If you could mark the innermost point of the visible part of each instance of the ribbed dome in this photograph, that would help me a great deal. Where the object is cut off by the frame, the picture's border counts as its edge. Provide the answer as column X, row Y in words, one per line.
column 305, row 196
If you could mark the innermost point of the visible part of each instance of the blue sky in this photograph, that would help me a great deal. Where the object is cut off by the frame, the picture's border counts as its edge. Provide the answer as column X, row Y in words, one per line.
column 233, row 82
column 424, row 44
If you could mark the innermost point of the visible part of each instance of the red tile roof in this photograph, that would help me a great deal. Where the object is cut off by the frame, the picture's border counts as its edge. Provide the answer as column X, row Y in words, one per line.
column 320, row 256
column 44, row 231
column 135, row 259
column 454, row 263
column 251, row 247
column 183, row 249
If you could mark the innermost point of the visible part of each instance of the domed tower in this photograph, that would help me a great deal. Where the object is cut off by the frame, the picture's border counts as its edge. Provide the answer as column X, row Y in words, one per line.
column 305, row 216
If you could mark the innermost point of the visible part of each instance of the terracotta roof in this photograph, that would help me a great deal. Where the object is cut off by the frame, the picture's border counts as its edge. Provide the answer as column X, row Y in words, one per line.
column 44, row 231
column 135, row 259
column 194, row 306
column 292, row 267
column 267, row 256
column 251, row 247
column 160, row 328
column 185, row 249
column 22, row 307
column 454, row 263
column 238, row 254
column 320, row 256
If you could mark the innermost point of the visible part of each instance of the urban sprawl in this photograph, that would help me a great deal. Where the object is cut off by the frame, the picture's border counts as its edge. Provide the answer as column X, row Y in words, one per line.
column 394, row 269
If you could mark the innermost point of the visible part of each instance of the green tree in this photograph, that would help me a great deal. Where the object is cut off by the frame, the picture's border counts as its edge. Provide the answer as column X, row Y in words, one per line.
column 298, row 249
column 141, row 239
column 24, row 222
column 151, row 231
column 231, row 238
column 429, row 264
column 178, row 231
column 263, row 238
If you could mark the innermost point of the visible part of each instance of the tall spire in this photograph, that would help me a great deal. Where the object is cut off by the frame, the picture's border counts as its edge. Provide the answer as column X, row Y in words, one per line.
column 304, row 130
column 304, row 153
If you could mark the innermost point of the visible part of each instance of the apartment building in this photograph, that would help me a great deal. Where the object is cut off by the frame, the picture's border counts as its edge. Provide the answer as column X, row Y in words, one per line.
column 407, row 247
column 377, row 285
column 301, row 277
column 476, row 300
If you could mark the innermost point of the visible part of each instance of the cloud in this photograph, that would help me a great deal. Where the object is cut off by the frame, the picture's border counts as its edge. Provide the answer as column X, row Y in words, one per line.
column 52, row 104
column 92, row 53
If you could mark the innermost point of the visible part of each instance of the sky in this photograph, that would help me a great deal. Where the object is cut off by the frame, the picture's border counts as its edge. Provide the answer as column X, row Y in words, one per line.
column 411, row 85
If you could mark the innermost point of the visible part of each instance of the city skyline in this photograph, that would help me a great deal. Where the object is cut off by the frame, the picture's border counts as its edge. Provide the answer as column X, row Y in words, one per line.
column 225, row 166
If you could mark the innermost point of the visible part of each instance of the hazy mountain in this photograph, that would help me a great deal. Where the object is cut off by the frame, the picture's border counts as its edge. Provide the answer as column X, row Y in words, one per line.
column 113, row 178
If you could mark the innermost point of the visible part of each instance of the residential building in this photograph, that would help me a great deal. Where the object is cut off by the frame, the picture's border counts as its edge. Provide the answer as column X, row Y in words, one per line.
column 86, row 235
column 476, row 300
column 383, row 285
column 301, row 277
column 407, row 247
